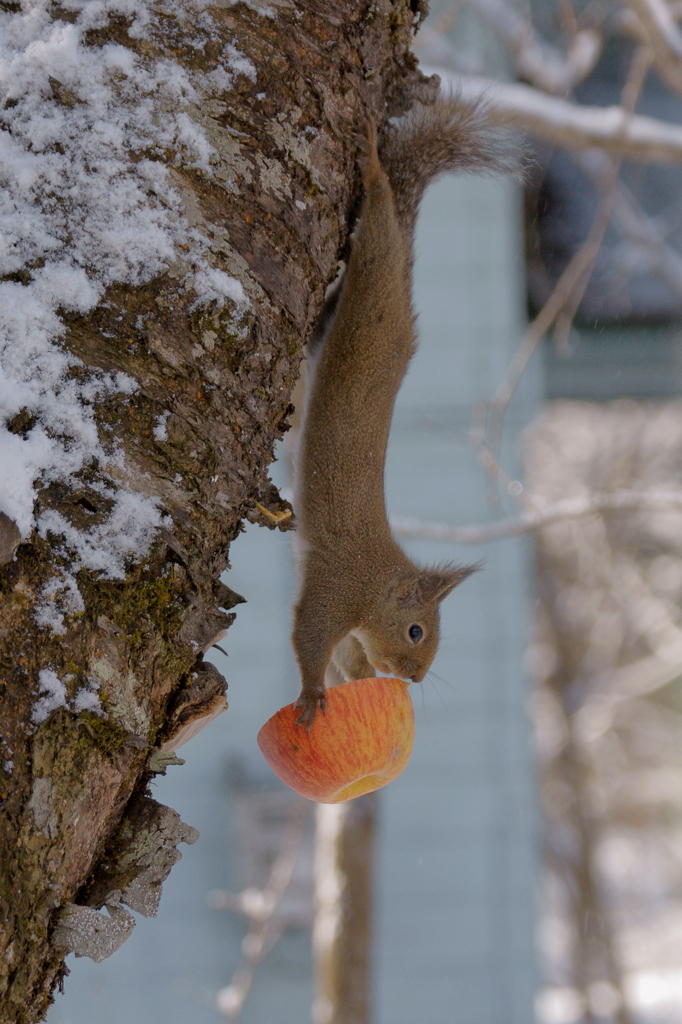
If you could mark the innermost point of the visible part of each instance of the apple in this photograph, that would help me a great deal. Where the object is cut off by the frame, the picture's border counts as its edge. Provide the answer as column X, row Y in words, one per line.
column 364, row 740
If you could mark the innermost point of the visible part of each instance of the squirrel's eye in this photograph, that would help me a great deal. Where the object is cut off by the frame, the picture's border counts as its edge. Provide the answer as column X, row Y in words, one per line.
column 415, row 633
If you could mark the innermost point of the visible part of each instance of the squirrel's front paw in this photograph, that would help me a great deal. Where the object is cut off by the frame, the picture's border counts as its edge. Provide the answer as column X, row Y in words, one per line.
column 309, row 701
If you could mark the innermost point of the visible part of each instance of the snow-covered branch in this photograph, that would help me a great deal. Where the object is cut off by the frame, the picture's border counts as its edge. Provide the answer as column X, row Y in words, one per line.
column 569, row 124
column 545, row 514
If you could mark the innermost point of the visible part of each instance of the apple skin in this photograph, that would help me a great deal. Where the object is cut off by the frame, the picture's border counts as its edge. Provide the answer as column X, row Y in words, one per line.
column 364, row 741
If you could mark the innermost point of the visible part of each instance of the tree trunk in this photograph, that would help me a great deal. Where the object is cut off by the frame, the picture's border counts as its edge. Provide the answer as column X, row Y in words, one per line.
column 105, row 614
column 342, row 933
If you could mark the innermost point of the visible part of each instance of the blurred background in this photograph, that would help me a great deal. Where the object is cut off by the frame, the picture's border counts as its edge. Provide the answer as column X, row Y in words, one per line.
column 527, row 865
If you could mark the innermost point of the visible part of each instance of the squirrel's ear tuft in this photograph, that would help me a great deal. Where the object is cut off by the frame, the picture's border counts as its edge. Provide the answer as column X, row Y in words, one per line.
column 435, row 584
column 438, row 583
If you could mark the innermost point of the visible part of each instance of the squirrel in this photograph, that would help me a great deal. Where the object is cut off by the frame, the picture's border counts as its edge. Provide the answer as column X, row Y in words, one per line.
column 363, row 606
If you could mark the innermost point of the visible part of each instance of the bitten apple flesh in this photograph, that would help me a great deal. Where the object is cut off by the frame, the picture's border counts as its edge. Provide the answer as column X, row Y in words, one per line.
column 364, row 741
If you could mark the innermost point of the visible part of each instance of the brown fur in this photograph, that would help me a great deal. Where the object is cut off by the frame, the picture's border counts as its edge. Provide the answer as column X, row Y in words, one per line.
column 430, row 141
column 359, row 593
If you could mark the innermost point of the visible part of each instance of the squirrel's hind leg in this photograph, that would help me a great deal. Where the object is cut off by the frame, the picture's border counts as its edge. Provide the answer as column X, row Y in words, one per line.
column 368, row 157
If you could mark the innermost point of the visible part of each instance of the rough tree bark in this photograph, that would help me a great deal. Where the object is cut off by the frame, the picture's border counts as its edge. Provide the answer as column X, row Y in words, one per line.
column 77, row 828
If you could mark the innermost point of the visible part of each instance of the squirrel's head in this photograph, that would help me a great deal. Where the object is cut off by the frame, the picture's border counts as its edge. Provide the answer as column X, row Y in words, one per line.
column 400, row 636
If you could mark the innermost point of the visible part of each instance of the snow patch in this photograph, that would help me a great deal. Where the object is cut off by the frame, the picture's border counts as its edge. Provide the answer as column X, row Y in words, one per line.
column 129, row 529
column 50, row 617
column 87, row 700
column 60, row 593
column 240, row 64
column 54, row 696
column 8, row 763
column 82, row 208
column 213, row 285
column 160, row 430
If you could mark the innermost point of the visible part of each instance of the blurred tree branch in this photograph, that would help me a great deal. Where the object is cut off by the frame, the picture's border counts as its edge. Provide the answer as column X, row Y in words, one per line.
column 544, row 514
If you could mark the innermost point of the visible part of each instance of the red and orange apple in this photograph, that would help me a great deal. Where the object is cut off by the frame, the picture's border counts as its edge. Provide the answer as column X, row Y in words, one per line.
column 363, row 742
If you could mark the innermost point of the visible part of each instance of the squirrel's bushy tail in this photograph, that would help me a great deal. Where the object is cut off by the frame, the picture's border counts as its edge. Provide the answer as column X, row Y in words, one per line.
column 450, row 135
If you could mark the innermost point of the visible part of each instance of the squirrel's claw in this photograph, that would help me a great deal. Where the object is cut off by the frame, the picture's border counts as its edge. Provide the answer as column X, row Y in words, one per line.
column 309, row 703
column 366, row 138
column 368, row 157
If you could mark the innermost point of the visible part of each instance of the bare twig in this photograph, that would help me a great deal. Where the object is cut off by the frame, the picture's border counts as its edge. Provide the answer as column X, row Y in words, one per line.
column 571, row 285
column 567, row 124
column 543, row 64
column 663, row 35
column 572, row 280
column 590, row 901
column 571, row 508
column 641, row 62
column 260, row 906
column 643, row 243
column 494, row 471
column 642, row 233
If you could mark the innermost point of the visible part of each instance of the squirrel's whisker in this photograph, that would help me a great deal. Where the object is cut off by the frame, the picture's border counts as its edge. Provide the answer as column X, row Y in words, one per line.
column 432, row 672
